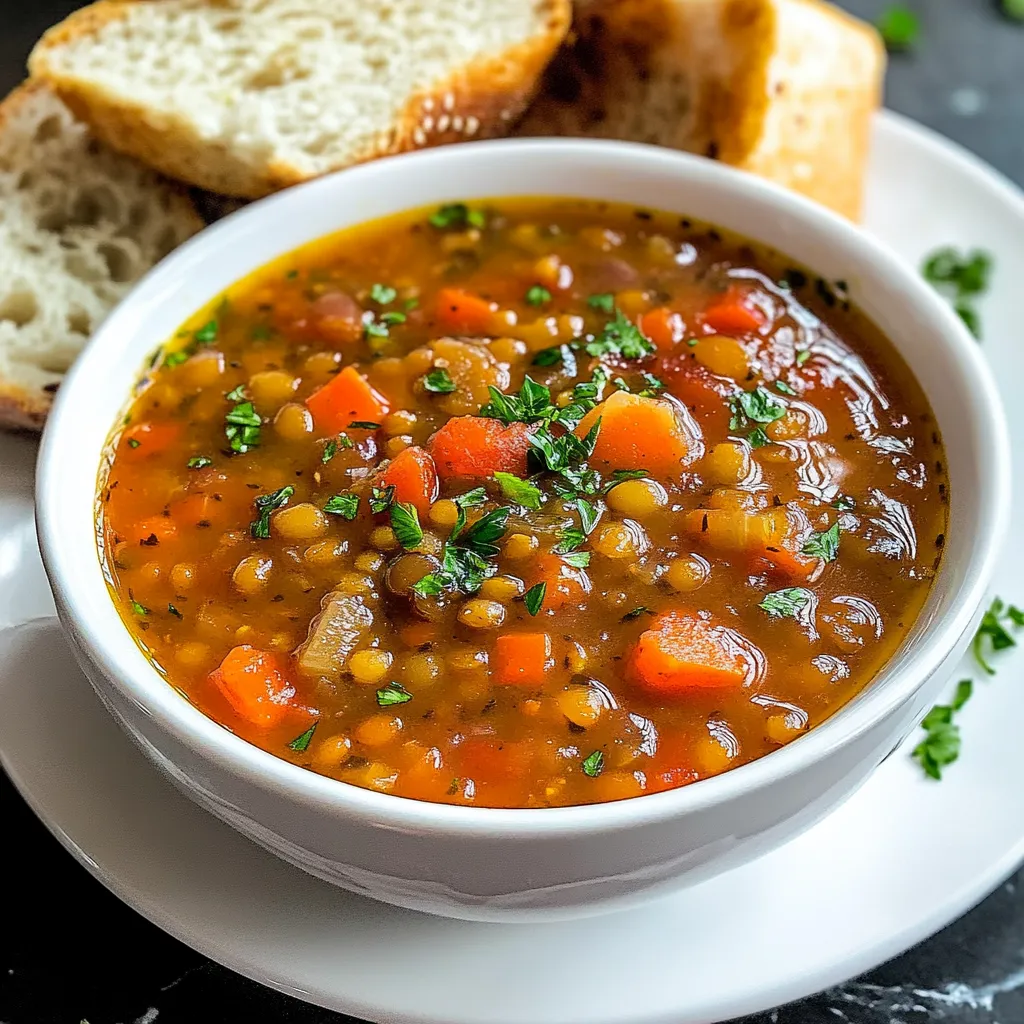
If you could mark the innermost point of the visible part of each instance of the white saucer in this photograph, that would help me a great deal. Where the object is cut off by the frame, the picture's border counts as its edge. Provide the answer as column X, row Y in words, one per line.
column 902, row 858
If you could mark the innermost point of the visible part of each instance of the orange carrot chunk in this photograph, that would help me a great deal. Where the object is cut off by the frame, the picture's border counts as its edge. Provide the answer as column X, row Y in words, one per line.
column 254, row 683
column 733, row 316
column 461, row 311
column 348, row 398
column 642, row 433
column 565, row 585
column 681, row 652
column 663, row 327
column 142, row 439
column 521, row 659
column 474, row 446
column 414, row 477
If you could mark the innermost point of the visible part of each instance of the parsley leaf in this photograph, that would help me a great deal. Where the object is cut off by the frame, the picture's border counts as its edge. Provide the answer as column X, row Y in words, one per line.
column 534, row 598
column 236, row 394
column 758, row 406
column 572, row 537
column 899, row 27
column 604, row 302
column 788, row 603
column 520, row 492
column 960, row 277
column 532, row 404
column 941, row 745
column 300, row 743
column 537, row 295
column 471, row 499
column 556, row 355
column 242, row 427
column 439, row 382
column 383, row 294
column 823, row 545
column 802, row 356
column 265, row 504
column 465, row 565
column 637, row 612
column 345, row 505
column 588, row 515
column 207, row 334
column 364, row 425
column 577, row 559
column 176, row 358
column 381, row 498
column 139, row 609
column 844, row 503
column 1014, row 9
column 392, row 694
column 781, row 385
column 457, row 216
column 134, row 442
column 199, row 462
column 405, row 522
column 620, row 337
column 757, row 438
column 593, row 764
column 993, row 630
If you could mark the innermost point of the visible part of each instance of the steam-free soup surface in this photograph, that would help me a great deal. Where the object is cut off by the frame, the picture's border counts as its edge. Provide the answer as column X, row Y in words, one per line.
column 527, row 504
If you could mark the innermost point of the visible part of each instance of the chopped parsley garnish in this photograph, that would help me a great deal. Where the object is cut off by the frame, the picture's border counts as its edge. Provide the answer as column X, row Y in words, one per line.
column 242, row 426
column 572, row 537
column 604, row 302
column 757, row 438
column 531, row 405
column 392, row 694
column 844, row 503
column 758, row 406
column 439, row 382
column 465, row 563
column 899, row 27
column 199, row 462
column 993, row 630
column 471, row 499
column 379, row 326
column 520, row 492
column 176, row 358
column 363, row 425
column 941, row 745
column 1014, row 9
column 561, row 453
column 802, row 356
column 139, row 609
column 788, row 603
column 823, row 545
column 405, row 522
column 345, row 505
column 300, row 743
column 207, row 334
column 961, row 278
column 330, row 450
column 381, row 498
column 781, row 385
column 588, row 515
column 563, row 355
column 236, row 394
column 620, row 337
column 383, row 294
column 537, row 295
column 134, row 442
column 637, row 612
column 174, row 611
column 534, row 598
column 265, row 504
column 457, row 216
column 593, row 764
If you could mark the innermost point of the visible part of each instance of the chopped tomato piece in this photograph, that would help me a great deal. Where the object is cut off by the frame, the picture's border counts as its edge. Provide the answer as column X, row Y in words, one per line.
column 732, row 315
column 565, row 584
column 521, row 659
column 348, row 398
column 255, row 684
column 683, row 652
column 663, row 327
column 642, row 433
column 475, row 446
column 414, row 477
column 464, row 312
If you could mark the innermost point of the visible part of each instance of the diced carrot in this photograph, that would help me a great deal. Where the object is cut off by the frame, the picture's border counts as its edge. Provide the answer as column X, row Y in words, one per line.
column 348, row 398
column 461, row 311
column 475, row 446
column 195, row 509
column 787, row 563
column 413, row 475
column 682, row 652
column 705, row 395
column 663, row 327
column 490, row 761
column 642, row 433
column 254, row 683
column 162, row 528
column 732, row 315
column 142, row 439
column 566, row 585
column 521, row 659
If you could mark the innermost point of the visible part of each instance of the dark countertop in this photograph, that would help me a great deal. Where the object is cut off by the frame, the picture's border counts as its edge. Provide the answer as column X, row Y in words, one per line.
column 81, row 955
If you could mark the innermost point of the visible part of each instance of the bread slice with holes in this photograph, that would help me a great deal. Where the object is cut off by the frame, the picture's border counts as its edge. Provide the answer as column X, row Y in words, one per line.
column 78, row 225
column 244, row 97
column 783, row 88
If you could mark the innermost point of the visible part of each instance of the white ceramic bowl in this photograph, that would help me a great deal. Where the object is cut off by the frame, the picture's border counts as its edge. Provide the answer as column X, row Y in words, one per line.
column 489, row 863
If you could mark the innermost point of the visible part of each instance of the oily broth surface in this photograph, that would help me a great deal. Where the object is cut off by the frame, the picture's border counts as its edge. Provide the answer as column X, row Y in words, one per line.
column 858, row 433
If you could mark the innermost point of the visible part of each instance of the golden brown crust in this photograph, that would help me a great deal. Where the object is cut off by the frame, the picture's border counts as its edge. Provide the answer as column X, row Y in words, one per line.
column 481, row 99
column 21, row 409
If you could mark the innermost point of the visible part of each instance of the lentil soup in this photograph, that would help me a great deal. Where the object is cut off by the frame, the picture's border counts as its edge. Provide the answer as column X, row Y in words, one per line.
column 535, row 503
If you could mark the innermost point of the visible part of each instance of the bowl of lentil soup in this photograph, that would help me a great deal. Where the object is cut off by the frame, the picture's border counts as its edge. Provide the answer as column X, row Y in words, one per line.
column 500, row 553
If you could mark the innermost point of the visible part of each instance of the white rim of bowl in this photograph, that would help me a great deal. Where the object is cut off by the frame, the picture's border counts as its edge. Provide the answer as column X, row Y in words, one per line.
column 189, row 726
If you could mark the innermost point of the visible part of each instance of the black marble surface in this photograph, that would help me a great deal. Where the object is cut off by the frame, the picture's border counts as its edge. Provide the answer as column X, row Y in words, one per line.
column 71, row 952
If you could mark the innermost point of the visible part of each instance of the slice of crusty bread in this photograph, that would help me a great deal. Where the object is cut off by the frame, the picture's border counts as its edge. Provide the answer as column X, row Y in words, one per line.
column 247, row 96
column 78, row 225
column 782, row 88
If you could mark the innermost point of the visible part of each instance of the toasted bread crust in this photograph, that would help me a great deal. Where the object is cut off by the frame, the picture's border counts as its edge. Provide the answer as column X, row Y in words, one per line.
column 480, row 100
